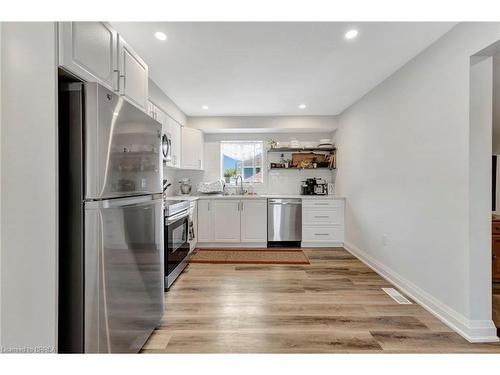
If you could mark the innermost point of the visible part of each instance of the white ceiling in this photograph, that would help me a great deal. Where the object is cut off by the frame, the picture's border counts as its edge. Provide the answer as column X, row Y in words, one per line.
column 253, row 68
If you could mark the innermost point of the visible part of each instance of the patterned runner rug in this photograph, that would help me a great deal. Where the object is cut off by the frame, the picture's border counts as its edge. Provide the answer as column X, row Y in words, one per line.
column 260, row 256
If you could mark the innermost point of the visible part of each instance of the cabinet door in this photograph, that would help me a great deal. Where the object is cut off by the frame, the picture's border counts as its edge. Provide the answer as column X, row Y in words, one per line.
column 254, row 220
column 175, row 132
column 192, row 148
column 205, row 229
column 200, row 149
column 133, row 83
column 495, row 262
column 195, row 222
column 189, row 148
column 88, row 49
column 226, row 220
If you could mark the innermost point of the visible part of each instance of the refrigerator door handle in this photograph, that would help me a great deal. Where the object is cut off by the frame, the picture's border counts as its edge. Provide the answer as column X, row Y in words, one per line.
column 122, row 202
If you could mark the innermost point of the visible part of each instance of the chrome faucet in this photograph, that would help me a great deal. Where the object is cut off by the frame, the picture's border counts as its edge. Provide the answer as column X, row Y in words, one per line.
column 241, row 184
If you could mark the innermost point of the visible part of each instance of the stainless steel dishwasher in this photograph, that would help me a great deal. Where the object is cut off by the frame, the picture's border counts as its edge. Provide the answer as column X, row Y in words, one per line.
column 284, row 222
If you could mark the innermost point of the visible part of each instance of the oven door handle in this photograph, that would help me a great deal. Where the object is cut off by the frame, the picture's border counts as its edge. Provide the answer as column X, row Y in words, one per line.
column 172, row 219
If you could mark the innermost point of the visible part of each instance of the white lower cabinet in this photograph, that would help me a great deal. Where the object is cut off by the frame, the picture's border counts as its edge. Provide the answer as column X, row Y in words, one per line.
column 205, row 228
column 254, row 220
column 322, row 222
column 226, row 218
column 232, row 221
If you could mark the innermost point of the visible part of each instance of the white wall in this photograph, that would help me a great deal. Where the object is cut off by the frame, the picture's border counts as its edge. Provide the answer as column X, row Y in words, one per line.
column 480, row 164
column 29, row 186
column 0, row 181
column 275, row 182
column 162, row 101
column 404, row 168
column 496, row 105
column 265, row 124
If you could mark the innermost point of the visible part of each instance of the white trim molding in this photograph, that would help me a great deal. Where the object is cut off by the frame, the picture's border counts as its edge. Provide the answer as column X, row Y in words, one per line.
column 472, row 330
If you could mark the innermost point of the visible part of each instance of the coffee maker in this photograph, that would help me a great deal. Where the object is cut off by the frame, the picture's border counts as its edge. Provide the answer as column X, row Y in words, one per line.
column 307, row 187
column 314, row 186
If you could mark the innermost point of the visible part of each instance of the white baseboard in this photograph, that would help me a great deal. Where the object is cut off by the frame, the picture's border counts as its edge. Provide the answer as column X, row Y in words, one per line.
column 471, row 330
column 235, row 245
column 322, row 244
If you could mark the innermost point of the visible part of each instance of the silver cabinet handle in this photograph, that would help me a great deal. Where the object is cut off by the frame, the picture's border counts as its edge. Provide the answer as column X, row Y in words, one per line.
column 321, row 234
column 321, row 217
column 117, row 80
column 122, row 91
column 208, row 205
column 241, row 206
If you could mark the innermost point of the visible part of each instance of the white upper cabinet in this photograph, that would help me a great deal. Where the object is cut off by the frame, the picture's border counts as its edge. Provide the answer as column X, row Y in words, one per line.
column 192, row 148
column 175, row 133
column 96, row 53
column 254, row 220
column 226, row 218
column 88, row 49
column 133, row 82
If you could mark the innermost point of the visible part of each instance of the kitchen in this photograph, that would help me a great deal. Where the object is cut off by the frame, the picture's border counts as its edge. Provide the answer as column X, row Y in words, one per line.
column 272, row 190
column 218, row 222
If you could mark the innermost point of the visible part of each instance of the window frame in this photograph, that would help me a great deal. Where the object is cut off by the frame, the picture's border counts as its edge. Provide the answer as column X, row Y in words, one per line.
column 221, row 161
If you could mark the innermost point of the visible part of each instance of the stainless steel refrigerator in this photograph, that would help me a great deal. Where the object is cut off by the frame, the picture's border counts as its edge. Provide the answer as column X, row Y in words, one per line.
column 111, row 221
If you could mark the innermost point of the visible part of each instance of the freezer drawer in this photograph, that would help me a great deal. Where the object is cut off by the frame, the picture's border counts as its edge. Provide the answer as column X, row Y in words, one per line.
column 123, row 147
column 123, row 296
column 284, row 220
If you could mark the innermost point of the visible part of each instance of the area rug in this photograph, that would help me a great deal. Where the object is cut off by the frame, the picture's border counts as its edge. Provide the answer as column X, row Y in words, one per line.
column 249, row 256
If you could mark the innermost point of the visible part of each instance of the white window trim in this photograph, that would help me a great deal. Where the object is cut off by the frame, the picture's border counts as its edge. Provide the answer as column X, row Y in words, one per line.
column 221, row 163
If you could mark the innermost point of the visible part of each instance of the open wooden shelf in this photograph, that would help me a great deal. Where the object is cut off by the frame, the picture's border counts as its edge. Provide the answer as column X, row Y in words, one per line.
column 299, row 169
column 306, row 149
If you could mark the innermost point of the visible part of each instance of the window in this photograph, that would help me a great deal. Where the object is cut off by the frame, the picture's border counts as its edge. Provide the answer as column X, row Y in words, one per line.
column 241, row 158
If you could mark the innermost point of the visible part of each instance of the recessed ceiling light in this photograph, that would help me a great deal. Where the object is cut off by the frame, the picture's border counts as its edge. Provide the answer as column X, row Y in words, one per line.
column 204, row 107
column 351, row 34
column 160, row 36
column 302, row 106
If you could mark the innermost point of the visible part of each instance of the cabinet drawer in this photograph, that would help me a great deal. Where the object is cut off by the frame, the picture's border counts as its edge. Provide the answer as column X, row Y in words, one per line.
column 321, row 204
column 495, row 227
column 331, row 216
column 323, row 234
column 495, row 243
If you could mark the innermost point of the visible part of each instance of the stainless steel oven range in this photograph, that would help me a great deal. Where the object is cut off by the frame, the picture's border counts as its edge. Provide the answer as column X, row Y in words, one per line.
column 176, row 239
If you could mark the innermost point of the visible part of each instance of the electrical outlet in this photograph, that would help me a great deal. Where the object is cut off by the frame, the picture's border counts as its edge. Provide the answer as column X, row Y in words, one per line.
column 385, row 240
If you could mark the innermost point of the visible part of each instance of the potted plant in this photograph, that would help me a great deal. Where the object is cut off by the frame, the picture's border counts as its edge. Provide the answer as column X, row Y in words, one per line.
column 228, row 173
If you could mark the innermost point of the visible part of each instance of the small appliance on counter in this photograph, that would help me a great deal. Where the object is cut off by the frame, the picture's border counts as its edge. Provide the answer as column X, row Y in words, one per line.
column 185, row 186
column 314, row 186
column 321, row 187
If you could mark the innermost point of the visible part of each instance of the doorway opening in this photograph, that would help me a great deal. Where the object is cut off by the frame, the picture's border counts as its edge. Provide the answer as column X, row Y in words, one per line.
column 484, row 177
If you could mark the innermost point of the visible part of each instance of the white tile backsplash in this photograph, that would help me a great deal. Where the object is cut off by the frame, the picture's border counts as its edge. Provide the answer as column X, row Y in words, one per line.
column 286, row 181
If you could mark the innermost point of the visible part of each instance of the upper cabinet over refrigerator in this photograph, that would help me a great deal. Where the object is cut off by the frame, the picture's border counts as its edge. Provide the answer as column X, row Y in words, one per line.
column 123, row 147
column 96, row 53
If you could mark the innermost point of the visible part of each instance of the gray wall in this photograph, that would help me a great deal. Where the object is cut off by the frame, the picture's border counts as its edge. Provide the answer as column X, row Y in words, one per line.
column 404, row 167
column 29, row 185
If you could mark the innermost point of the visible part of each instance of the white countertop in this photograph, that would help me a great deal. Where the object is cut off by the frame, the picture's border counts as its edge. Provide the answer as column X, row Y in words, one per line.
column 263, row 196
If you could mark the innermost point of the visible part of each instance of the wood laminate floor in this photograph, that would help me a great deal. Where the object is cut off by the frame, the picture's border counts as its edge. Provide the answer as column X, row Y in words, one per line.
column 333, row 305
